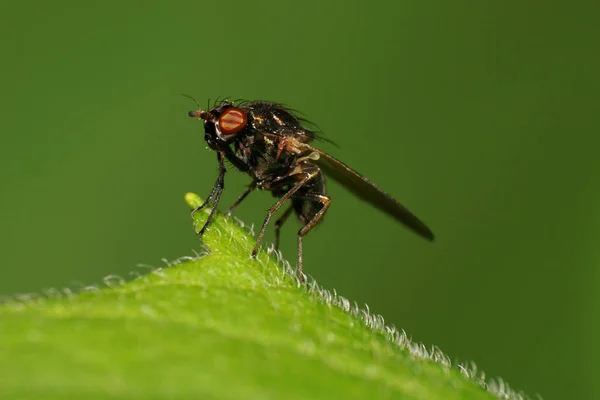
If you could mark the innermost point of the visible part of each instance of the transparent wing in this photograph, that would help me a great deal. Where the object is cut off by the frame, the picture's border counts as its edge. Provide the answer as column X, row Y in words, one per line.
column 368, row 191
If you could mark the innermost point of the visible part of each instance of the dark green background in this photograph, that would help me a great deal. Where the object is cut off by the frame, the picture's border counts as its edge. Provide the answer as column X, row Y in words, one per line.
column 482, row 118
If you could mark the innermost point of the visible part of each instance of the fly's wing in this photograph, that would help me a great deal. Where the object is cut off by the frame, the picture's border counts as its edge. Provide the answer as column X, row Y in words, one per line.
column 367, row 190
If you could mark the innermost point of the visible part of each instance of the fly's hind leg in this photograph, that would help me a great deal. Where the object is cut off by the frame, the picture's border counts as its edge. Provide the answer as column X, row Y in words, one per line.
column 325, row 202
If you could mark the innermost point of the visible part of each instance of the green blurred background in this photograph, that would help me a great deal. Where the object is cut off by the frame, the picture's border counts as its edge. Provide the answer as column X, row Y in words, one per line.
column 481, row 117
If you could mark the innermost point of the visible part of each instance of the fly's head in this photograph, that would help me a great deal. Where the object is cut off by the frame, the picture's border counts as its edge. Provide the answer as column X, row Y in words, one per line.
column 222, row 124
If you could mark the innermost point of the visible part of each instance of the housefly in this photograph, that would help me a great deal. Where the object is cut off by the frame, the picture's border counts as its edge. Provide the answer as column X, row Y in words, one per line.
column 270, row 142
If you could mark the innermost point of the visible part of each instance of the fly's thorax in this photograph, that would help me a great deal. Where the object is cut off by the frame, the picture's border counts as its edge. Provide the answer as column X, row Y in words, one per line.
column 264, row 155
column 276, row 119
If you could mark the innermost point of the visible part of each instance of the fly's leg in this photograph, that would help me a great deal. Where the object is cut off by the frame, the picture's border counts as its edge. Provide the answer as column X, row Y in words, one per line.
column 242, row 197
column 217, row 186
column 278, row 224
column 215, row 193
column 301, row 178
column 325, row 201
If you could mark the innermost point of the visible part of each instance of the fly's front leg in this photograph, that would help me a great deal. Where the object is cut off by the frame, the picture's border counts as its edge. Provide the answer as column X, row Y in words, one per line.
column 325, row 202
column 301, row 178
column 215, row 193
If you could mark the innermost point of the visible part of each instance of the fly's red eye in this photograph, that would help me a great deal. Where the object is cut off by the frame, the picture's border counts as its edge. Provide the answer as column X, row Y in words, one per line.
column 232, row 121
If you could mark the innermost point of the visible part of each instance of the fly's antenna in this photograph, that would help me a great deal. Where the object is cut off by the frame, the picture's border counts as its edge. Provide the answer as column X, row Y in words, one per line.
column 193, row 98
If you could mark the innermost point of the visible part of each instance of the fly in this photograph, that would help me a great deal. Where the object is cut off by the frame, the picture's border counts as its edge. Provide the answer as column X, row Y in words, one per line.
column 269, row 142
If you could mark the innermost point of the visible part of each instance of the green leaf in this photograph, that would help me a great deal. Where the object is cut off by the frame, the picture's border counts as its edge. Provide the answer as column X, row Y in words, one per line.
column 217, row 326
